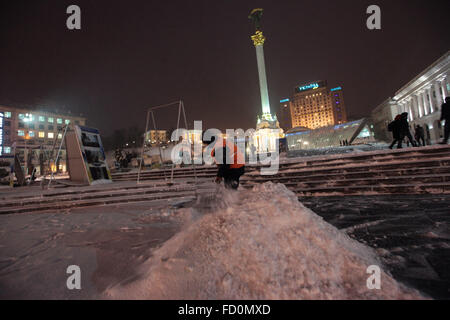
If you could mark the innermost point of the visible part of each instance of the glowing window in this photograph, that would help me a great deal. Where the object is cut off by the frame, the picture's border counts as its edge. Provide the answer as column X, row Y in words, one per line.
column 41, row 119
column 67, row 121
column 41, row 134
column 26, row 117
column 50, row 135
column 59, row 121
column 7, row 115
column 20, row 133
column 50, row 120
column 31, row 134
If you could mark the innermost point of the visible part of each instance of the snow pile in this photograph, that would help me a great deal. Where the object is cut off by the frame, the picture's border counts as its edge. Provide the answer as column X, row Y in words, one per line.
column 261, row 244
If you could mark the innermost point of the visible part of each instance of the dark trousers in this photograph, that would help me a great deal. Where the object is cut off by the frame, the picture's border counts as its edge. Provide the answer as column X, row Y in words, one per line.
column 410, row 138
column 420, row 139
column 230, row 175
column 396, row 140
column 446, row 131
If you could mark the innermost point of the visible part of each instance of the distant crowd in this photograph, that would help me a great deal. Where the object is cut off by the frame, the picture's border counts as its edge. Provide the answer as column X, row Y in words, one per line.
column 401, row 132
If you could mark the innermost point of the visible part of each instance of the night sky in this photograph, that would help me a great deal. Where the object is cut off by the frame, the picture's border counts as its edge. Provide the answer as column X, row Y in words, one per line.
column 133, row 54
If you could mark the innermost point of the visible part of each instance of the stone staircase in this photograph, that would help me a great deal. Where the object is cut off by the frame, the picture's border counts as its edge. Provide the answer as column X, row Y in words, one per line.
column 60, row 199
column 423, row 170
column 404, row 171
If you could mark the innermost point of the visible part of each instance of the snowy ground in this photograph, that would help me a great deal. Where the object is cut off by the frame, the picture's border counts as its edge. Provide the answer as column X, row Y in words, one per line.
column 105, row 242
column 410, row 232
column 260, row 244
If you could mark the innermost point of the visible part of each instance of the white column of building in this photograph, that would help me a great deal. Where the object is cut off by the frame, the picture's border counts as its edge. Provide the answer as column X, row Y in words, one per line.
column 444, row 87
column 412, row 114
column 419, row 104
column 437, row 90
column 415, row 109
column 407, row 109
column 398, row 109
column 430, row 98
column 425, row 102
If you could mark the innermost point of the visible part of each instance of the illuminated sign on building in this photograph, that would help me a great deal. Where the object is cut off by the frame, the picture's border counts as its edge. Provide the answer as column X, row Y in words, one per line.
column 336, row 89
column 285, row 100
column 311, row 86
column 308, row 87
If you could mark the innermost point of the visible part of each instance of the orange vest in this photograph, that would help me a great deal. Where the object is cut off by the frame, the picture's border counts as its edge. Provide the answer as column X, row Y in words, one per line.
column 236, row 155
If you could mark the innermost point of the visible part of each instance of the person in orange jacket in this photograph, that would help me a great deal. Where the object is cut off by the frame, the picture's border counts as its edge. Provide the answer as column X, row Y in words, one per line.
column 228, row 159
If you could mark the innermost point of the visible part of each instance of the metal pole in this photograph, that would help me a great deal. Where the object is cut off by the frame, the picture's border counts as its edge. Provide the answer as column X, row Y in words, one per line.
column 142, row 150
column 193, row 162
column 163, row 105
column 178, row 126
column 159, row 146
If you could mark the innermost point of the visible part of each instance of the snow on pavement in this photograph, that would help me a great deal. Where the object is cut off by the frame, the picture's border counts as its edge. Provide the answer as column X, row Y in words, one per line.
column 258, row 244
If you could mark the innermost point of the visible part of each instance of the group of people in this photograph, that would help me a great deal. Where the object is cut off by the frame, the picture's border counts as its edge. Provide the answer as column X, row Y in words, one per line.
column 122, row 158
column 401, row 130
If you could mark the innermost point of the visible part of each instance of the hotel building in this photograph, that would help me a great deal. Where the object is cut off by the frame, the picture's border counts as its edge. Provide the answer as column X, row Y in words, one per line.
column 313, row 106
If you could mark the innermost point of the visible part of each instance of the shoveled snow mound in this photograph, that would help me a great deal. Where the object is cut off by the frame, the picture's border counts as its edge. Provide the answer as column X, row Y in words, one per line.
column 262, row 244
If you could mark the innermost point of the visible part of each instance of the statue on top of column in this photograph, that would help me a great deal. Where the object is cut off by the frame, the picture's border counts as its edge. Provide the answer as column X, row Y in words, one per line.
column 255, row 16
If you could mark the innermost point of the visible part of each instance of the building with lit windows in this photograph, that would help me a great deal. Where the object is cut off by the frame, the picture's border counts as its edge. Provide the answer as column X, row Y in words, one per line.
column 313, row 106
column 155, row 137
column 27, row 132
column 422, row 98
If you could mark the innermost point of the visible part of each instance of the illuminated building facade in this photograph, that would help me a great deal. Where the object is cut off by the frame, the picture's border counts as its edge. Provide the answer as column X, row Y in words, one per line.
column 156, row 137
column 313, row 106
column 422, row 98
column 27, row 132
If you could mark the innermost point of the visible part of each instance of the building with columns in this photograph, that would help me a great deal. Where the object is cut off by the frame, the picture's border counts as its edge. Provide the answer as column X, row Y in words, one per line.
column 422, row 98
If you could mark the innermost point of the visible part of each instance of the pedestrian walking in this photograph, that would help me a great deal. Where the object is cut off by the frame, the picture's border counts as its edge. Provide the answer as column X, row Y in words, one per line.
column 394, row 127
column 420, row 135
column 404, row 130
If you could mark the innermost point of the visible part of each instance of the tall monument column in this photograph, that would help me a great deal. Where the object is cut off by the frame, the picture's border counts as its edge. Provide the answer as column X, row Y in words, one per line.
column 267, row 128
column 266, row 119
column 258, row 40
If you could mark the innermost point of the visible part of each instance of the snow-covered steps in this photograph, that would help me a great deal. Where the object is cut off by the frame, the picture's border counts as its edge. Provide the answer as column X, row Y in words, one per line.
column 190, row 175
column 61, row 205
column 410, row 171
column 158, row 174
column 327, row 162
column 437, row 150
column 55, row 200
column 354, row 173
